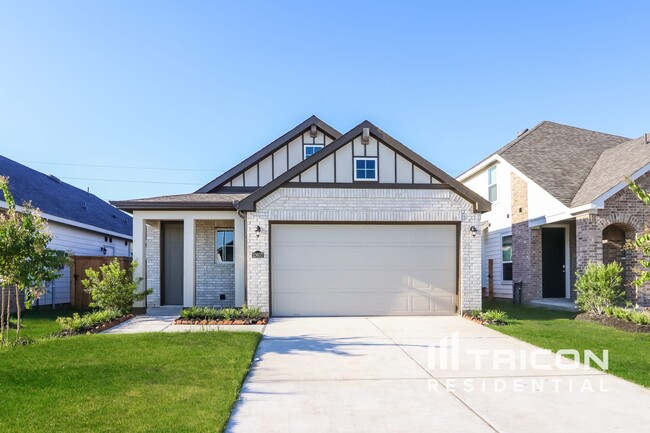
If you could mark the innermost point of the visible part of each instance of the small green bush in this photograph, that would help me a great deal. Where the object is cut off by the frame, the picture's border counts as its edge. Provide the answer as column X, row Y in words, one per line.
column 114, row 288
column 496, row 317
column 208, row 313
column 89, row 320
column 599, row 287
column 640, row 317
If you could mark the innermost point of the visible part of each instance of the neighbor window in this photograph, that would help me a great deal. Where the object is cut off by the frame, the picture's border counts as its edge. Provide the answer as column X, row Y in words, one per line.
column 492, row 184
column 506, row 257
column 310, row 149
column 225, row 245
column 365, row 168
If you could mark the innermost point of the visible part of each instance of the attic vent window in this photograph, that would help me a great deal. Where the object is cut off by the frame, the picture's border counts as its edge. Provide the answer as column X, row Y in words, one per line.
column 365, row 169
column 310, row 149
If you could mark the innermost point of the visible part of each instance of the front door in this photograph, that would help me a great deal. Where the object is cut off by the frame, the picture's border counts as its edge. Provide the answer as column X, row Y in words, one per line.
column 172, row 263
column 553, row 262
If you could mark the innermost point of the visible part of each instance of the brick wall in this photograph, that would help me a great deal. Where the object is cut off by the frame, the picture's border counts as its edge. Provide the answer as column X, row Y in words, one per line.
column 526, row 243
column 152, row 254
column 212, row 278
column 333, row 204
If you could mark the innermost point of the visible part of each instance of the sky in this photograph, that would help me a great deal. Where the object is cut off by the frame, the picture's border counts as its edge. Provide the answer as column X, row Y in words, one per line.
column 144, row 98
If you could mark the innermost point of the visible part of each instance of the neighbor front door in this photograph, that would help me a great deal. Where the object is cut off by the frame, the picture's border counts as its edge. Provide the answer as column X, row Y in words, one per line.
column 553, row 262
column 172, row 263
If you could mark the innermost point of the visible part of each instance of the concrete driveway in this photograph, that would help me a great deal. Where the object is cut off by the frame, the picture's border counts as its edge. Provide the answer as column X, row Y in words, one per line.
column 397, row 374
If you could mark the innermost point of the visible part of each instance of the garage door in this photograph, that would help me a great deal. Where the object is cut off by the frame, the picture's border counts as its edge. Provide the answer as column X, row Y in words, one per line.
column 358, row 270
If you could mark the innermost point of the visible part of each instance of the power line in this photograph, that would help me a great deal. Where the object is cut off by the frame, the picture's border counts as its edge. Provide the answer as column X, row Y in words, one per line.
column 129, row 181
column 130, row 167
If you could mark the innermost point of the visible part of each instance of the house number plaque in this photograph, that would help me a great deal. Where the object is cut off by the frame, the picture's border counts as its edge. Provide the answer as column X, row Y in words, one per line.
column 257, row 255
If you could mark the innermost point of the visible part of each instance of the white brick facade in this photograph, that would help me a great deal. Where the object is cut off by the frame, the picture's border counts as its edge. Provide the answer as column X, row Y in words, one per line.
column 152, row 265
column 360, row 205
column 213, row 278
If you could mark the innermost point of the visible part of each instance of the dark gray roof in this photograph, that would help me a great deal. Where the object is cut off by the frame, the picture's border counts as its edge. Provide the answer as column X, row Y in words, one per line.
column 267, row 150
column 182, row 201
column 558, row 157
column 57, row 198
column 611, row 168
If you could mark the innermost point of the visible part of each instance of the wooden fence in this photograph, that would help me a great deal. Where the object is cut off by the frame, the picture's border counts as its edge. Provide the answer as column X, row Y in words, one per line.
column 79, row 298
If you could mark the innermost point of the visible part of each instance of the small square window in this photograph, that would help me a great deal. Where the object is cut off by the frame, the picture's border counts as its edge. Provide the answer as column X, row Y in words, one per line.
column 310, row 149
column 225, row 245
column 365, row 169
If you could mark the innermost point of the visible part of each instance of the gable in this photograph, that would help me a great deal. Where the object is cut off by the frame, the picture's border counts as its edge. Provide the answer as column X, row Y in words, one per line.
column 274, row 159
column 395, row 166
column 392, row 166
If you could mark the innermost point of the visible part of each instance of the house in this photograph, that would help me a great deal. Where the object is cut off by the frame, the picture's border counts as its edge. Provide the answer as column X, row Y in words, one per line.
column 317, row 223
column 80, row 222
column 559, row 201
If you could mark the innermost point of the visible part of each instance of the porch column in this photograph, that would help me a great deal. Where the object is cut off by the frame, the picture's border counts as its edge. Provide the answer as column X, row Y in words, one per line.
column 139, row 255
column 240, row 260
column 188, row 261
column 589, row 241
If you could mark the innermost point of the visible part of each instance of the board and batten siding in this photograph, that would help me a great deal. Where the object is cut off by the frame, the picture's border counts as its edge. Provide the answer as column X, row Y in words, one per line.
column 392, row 167
column 79, row 242
column 279, row 161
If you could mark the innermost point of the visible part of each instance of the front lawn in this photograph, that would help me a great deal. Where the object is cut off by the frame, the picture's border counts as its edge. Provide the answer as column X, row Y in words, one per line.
column 162, row 382
column 628, row 352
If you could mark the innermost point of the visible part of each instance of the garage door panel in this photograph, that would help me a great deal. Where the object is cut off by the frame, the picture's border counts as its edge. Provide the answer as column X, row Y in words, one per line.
column 334, row 269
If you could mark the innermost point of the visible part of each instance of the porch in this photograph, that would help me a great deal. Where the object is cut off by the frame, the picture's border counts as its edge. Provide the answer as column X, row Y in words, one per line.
column 190, row 258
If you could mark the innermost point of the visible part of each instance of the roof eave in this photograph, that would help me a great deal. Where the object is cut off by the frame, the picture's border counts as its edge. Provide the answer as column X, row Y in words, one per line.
column 129, row 206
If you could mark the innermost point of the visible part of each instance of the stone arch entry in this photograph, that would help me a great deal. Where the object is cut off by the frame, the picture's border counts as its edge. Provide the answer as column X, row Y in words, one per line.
column 614, row 236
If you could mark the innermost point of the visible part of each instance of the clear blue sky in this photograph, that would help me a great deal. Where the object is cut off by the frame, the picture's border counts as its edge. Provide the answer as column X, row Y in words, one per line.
column 200, row 85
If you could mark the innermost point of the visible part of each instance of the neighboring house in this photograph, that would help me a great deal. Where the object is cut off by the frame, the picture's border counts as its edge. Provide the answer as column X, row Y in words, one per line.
column 560, row 200
column 79, row 222
column 317, row 223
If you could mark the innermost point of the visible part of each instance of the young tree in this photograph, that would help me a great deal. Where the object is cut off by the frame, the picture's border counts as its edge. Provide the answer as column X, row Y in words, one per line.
column 26, row 263
column 642, row 242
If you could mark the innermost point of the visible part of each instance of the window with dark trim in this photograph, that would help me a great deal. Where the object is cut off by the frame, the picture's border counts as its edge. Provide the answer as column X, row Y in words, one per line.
column 225, row 245
column 365, row 168
column 506, row 257
column 310, row 149
column 493, row 195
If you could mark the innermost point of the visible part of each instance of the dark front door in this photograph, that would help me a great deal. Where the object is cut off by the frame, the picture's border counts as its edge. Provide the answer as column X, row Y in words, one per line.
column 172, row 263
column 553, row 263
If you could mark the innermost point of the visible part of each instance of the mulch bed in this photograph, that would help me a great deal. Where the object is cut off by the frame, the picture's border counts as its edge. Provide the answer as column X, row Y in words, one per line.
column 98, row 328
column 613, row 322
column 181, row 321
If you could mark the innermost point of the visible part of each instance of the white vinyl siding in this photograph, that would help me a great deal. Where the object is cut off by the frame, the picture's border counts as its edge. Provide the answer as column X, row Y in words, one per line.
column 492, row 249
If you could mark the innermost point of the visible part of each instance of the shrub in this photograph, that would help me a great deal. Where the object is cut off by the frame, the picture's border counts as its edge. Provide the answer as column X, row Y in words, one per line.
column 496, row 317
column 208, row 313
column 599, row 287
column 89, row 320
column 640, row 317
column 113, row 288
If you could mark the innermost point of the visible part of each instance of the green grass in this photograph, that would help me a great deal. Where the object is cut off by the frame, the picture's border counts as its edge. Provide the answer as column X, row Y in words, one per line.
column 38, row 323
column 176, row 382
column 628, row 352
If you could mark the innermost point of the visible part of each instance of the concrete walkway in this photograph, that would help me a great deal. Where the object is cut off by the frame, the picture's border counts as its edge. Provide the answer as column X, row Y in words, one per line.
column 388, row 374
column 164, row 323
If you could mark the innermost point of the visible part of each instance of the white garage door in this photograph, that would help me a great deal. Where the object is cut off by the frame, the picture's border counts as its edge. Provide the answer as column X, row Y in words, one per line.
column 350, row 270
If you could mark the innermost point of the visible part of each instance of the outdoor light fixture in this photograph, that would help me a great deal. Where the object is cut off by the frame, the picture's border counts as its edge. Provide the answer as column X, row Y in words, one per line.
column 473, row 231
column 258, row 230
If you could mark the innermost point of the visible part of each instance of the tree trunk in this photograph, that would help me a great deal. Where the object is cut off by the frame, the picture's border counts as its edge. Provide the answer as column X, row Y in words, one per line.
column 2, row 314
column 8, row 316
column 17, row 313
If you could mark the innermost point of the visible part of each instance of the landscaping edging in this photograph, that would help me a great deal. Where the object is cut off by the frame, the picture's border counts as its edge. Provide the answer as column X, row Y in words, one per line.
column 613, row 322
column 98, row 328
column 181, row 321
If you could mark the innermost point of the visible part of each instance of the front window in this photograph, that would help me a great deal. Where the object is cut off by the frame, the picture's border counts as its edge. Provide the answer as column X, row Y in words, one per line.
column 310, row 149
column 365, row 168
column 492, row 184
column 506, row 257
column 225, row 245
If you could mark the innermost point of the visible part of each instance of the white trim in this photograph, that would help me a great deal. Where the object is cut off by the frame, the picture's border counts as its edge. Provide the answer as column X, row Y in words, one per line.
column 73, row 223
column 494, row 184
column 304, row 149
column 366, row 158
column 478, row 167
column 567, row 259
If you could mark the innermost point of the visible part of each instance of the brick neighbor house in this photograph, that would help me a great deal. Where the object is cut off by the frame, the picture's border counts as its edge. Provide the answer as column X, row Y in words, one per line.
column 317, row 223
column 560, row 200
